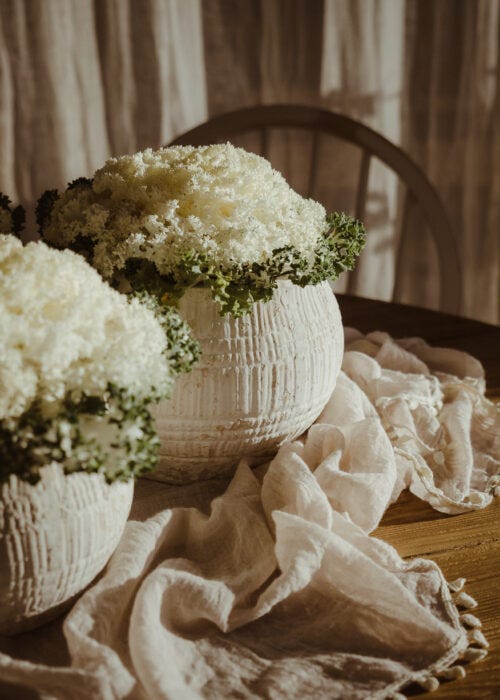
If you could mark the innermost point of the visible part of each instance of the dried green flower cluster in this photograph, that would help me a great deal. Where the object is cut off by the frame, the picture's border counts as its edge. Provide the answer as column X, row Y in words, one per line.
column 213, row 216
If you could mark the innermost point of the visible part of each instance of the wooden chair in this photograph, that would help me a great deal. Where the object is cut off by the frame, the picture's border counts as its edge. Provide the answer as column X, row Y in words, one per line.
column 418, row 192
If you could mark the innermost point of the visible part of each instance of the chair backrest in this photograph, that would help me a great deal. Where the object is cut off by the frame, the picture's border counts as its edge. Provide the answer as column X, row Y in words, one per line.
column 419, row 193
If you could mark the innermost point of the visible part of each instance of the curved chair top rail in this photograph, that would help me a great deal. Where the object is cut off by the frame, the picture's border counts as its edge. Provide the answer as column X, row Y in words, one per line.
column 419, row 189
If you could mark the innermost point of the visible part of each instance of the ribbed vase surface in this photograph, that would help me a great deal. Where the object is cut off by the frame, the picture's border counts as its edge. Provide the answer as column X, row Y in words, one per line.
column 262, row 379
column 55, row 537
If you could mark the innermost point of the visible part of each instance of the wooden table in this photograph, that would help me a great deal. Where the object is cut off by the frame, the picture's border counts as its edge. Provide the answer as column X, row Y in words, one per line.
column 463, row 545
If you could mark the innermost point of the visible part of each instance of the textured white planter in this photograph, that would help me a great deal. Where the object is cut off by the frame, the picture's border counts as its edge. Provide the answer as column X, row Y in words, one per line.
column 55, row 537
column 262, row 379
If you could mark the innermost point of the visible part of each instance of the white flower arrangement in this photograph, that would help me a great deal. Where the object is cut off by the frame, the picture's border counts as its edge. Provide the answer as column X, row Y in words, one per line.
column 79, row 364
column 214, row 216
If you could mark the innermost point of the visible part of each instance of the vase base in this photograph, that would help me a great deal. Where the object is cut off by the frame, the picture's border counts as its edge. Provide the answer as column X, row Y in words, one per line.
column 177, row 471
column 11, row 628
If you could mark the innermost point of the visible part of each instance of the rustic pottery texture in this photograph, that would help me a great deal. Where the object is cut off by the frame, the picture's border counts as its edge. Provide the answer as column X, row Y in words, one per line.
column 262, row 379
column 55, row 537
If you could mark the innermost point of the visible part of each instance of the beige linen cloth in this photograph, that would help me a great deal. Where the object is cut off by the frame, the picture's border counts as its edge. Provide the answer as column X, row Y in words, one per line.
column 275, row 589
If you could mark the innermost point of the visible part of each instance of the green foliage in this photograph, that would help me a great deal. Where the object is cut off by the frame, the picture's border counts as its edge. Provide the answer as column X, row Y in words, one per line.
column 17, row 215
column 44, row 208
column 109, row 447
column 80, row 182
column 336, row 251
column 182, row 349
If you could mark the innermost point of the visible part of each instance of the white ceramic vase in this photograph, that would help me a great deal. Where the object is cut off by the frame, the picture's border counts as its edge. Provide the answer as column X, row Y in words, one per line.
column 262, row 379
column 55, row 537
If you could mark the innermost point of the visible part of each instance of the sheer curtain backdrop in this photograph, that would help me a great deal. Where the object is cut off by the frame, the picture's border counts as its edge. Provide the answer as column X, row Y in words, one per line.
column 81, row 80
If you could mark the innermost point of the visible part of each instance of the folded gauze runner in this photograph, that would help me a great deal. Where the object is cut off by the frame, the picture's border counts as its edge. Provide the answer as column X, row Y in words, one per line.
column 275, row 589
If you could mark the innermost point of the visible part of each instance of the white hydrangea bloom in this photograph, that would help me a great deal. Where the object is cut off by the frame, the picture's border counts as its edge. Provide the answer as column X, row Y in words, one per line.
column 63, row 329
column 219, row 200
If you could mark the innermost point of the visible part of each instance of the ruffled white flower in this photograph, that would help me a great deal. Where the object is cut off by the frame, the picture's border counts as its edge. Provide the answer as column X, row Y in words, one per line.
column 218, row 200
column 62, row 329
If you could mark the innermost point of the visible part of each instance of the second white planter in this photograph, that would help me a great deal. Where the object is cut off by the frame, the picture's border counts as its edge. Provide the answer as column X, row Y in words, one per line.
column 262, row 379
column 55, row 537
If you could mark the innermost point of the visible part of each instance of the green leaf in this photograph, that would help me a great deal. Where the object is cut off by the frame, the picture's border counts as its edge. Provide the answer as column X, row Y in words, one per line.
column 182, row 349
column 44, row 208
column 17, row 215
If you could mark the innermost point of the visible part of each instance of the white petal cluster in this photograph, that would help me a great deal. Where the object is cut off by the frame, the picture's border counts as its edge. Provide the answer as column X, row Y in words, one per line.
column 219, row 200
column 63, row 329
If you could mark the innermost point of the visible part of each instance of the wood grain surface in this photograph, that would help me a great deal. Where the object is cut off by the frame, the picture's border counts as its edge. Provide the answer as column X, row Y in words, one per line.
column 466, row 545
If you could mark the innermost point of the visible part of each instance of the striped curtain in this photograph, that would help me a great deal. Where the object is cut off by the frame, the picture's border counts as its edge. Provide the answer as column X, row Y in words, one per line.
column 81, row 80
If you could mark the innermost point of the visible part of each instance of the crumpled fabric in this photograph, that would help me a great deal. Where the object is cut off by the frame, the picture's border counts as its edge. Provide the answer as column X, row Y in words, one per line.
column 275, row 588
column 444, row 432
